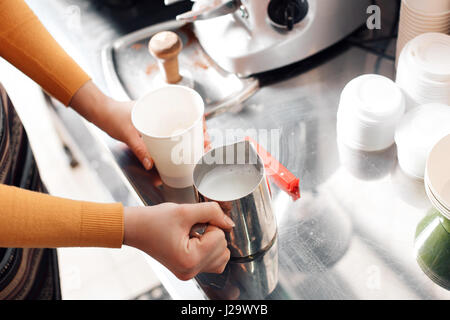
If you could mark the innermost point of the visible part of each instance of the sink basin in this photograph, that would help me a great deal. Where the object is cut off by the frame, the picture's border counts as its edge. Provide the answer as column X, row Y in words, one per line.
column 131, row 71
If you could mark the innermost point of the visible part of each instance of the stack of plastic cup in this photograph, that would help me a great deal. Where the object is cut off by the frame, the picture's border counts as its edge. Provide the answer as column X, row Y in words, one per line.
column 369, row 111
column 416, row 135
column 423, row 71
column 421, row 16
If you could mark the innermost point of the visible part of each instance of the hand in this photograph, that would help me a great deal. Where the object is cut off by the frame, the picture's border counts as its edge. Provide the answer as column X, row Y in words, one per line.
column 113, row 117
column 162, row 231
column 119, row 126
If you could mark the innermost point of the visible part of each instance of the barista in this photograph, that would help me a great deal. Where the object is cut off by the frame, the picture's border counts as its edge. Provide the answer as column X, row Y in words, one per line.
column 31, row 219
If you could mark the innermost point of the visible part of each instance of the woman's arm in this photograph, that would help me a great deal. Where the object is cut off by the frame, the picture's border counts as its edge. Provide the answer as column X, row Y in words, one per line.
column 26, row 44
column 32, row 219
column 36, row 220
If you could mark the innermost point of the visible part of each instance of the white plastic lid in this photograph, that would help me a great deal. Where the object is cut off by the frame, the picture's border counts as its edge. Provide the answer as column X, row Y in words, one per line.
column 369, row 110
column 430, row 52
column 437, row 176
column 374, row 98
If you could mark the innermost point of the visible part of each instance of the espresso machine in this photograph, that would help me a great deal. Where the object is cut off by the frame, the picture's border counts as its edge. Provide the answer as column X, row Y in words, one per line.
column 247, row 37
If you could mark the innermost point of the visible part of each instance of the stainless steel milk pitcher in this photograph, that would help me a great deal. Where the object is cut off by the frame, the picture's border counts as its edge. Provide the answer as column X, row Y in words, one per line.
column 250, row 207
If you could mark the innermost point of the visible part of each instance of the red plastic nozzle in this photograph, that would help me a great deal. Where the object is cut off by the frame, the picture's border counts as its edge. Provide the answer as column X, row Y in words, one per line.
column 278, row 173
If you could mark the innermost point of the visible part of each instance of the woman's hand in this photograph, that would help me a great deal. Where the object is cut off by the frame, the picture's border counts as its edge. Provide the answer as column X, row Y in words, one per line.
column 162, row 231
column 119, row 126
column 113, row 117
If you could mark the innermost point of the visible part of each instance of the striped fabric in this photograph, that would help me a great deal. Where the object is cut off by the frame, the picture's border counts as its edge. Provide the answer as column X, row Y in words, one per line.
column 24, row 273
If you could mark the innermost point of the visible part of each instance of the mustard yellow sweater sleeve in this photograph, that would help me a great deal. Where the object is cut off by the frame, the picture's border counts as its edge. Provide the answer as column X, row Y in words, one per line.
column 33, row 219
column 26, row 44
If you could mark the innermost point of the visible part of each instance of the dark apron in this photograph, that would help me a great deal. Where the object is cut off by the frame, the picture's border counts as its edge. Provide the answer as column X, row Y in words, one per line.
column 25, row 273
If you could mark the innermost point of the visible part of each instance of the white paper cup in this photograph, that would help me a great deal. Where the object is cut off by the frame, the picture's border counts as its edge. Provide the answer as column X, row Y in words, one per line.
column 170, row 120
column 369, row 110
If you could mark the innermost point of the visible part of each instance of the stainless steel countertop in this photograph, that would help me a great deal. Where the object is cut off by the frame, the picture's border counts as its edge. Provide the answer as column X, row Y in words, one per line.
column 351, row 234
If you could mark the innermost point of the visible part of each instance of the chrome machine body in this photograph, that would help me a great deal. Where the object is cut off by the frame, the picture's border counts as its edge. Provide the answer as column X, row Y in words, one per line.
column 252, row 36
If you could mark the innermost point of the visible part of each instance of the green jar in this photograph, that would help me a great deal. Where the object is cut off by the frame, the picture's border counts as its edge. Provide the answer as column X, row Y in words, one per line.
column 432, row 247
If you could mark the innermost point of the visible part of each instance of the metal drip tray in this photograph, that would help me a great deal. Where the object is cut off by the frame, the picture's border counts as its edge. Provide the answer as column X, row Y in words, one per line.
column 131, row 71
